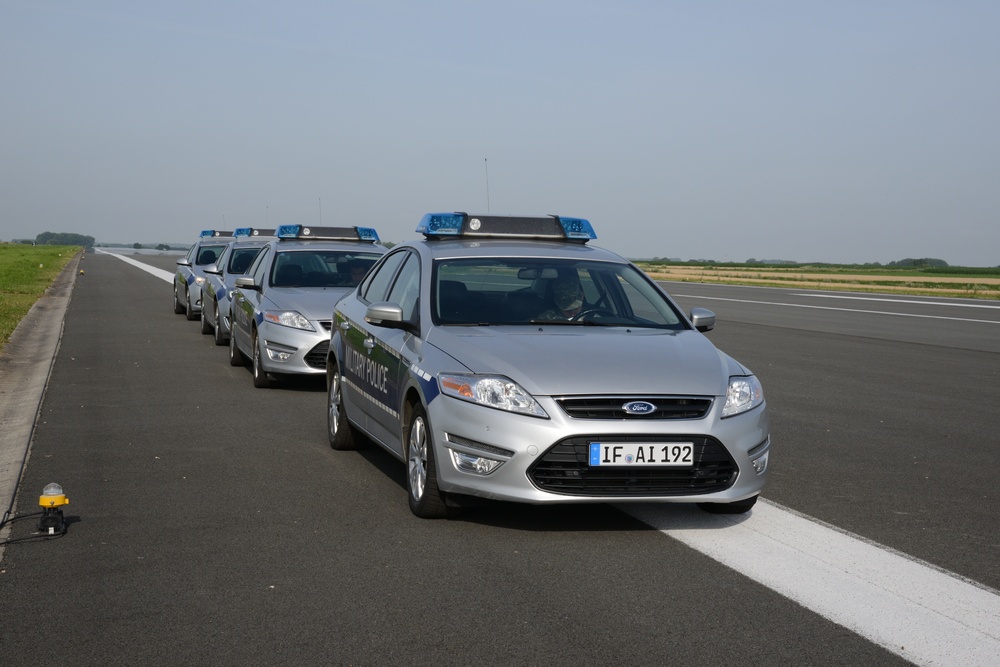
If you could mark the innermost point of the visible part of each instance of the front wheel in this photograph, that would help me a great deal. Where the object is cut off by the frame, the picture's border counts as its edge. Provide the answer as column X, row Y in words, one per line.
column 178, row 307
column 236, row 357
column 342, row 435
column 427, row 501
column 206, row 327
column 260, row 379
column 739, row 507
column 220, row 340
column 191, row 315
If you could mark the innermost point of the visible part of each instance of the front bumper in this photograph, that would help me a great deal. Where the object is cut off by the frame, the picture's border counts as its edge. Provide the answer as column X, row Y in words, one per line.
column 285, row 350
column 545, row 460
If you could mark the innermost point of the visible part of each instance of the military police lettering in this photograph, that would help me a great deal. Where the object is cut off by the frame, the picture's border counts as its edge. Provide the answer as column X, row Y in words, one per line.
column 367, row 371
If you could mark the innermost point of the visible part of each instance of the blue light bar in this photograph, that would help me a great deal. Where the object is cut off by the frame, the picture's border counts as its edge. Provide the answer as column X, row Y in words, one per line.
column 214, row 233
column 497, row 226
column 367, row 234
column 242, row 231
column 288, row 231
column 578, row 228
column 441, row 224
column 303, row 233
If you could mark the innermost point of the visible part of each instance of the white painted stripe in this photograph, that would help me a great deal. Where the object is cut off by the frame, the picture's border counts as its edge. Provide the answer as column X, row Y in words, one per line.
column 843, row 310
column 159, row 273
column 954, row 304
column 913, row 609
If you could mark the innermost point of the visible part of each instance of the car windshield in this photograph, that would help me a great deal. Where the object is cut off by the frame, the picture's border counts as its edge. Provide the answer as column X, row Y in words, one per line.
column 320, row 268
column 492, row 291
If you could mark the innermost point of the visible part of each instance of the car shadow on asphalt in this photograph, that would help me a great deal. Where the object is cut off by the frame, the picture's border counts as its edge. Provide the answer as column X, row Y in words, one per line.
column 588, row 517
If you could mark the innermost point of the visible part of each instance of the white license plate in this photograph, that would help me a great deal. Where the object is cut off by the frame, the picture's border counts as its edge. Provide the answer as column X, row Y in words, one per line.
column 637, row 454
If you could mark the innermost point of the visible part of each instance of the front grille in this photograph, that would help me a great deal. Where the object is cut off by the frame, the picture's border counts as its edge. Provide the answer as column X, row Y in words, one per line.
column 316, row 357
column 564, row 469
column 611, row 407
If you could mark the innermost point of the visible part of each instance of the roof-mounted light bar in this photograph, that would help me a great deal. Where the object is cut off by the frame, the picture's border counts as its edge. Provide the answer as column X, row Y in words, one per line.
column 302, row 233
column 215, row 233
column 553, row 227
column 250, row 232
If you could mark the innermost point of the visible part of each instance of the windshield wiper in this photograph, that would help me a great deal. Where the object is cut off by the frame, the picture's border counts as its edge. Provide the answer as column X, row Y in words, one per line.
column 583, row 323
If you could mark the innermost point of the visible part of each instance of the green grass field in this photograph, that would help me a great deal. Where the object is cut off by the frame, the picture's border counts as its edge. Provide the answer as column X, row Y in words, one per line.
column 25, row 273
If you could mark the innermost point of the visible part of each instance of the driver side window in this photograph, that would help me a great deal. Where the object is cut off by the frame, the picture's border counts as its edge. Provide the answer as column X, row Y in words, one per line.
column 376, row 286
column 406, row 288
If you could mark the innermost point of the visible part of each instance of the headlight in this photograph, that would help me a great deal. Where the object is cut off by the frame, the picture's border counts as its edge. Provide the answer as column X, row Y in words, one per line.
column 494, row 391
column 288, row 318
column 199, row 280
column 744, row 393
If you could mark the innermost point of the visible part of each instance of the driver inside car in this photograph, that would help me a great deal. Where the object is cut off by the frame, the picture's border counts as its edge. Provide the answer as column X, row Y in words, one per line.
column 567, row 295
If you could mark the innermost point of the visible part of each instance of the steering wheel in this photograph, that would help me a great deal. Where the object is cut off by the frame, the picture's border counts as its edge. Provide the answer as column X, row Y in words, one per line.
column 583, row 315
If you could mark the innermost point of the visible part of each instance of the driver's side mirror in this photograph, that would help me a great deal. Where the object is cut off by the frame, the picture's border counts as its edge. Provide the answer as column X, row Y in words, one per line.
column 702, row 319
column 246, row 283
column 388, row 315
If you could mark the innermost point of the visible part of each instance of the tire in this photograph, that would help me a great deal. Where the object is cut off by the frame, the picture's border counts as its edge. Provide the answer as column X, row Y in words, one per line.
column 191, row 315
column 206, row 328
column 178, row 308
column 220, row 340
column 342, row 434
column 427, row 501
column 236, row 357
column 260, row 379
column 739, row 507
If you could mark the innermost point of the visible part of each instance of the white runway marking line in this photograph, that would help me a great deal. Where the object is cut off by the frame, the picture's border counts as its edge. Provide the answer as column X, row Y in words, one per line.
column 915, row 610
column 843, row 310
column 906, row 301
column 159, row 273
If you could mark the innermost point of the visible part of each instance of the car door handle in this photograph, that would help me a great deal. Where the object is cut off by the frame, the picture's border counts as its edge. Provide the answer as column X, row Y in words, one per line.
column 369, row 343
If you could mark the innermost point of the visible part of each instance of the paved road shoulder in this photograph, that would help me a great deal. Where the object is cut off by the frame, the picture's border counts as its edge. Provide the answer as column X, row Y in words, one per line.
column 24, row 370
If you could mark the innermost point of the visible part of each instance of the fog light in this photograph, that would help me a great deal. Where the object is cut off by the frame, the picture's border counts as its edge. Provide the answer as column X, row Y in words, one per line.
column 760, row 463
column 277, row 355
column 478, row 465
column 51, row 500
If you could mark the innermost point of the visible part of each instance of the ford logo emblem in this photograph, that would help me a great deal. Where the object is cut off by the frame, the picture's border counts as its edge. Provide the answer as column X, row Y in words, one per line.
column 639, row 408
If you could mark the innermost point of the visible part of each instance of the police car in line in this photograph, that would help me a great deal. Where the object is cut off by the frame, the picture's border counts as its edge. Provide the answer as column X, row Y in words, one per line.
column 506, row 358
column 217, row 291
column 190, row 274
column 281, row 308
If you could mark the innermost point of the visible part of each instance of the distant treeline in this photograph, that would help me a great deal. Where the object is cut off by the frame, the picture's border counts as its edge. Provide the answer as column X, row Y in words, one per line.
column 60, row 238
column 924, row 265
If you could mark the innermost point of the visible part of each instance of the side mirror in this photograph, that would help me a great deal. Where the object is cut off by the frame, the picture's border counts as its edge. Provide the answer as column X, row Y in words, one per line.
column 702, row 319
column 214, row 270
column 183, row 262
column 247, row 283
column 386, row 314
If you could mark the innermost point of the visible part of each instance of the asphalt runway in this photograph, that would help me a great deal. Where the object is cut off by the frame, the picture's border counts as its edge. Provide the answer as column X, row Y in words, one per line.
column 211, row 523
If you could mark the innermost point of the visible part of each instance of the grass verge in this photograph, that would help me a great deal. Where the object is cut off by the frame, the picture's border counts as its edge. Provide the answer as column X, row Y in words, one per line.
column 25, row 273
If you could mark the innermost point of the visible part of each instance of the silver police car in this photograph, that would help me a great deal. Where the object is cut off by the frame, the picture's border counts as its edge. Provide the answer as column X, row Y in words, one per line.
column 281, row 308
column 190, row 274
column 505, row 358
column 217, row 291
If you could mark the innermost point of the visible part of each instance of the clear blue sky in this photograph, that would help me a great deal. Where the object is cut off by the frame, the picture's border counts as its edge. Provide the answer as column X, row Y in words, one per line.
column 844, row 131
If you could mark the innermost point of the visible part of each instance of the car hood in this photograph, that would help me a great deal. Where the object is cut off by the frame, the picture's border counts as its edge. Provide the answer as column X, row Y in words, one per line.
column 315, row 303
column 591, row 360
